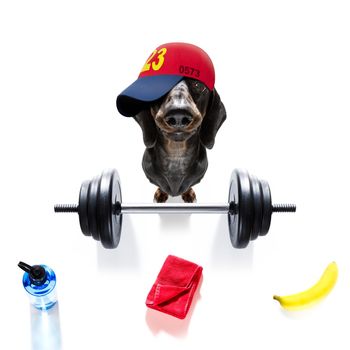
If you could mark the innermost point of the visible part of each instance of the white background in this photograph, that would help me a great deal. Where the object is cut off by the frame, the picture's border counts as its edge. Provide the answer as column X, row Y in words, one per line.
column 283, row 74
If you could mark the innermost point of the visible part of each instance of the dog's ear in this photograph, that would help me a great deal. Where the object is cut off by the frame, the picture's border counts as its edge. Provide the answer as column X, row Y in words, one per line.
column 148, row 126
column 214, row 117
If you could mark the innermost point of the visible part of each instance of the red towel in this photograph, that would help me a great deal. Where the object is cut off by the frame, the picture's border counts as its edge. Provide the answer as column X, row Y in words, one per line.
column 174, row 287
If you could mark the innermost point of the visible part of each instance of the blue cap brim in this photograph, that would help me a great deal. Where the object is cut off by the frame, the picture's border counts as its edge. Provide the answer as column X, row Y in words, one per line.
column 144, row 90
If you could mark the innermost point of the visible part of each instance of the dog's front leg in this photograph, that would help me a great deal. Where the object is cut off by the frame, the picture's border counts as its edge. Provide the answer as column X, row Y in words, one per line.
column 189, row 196
column 160, row 196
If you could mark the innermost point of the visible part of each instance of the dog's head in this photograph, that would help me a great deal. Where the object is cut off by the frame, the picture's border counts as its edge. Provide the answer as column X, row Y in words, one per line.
column 189, row 108
column 175, row 95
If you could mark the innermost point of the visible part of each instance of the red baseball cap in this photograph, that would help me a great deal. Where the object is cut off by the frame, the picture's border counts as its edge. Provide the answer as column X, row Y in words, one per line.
column 167, row 65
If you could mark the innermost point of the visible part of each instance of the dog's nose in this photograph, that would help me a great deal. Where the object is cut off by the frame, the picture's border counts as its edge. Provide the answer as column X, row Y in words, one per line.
column 178, row 120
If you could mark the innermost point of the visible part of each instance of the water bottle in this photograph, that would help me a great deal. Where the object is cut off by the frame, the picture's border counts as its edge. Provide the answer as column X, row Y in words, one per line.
column 39, row 281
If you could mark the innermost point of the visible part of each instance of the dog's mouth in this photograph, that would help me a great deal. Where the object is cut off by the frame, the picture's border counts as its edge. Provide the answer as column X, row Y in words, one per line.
column 178, row 135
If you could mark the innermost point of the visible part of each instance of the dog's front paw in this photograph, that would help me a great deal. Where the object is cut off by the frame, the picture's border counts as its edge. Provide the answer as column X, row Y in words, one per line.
column 189, row 196
column 160, row 196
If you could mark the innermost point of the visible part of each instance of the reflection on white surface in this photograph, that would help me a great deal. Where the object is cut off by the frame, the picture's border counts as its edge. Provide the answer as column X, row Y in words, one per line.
column 45, row 327
column 224, row 254
column 300, row 314
column 178, row 223
column 109, row 259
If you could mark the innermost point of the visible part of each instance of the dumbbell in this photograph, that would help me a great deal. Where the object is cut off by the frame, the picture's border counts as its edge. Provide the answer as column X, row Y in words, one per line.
column 249, row 208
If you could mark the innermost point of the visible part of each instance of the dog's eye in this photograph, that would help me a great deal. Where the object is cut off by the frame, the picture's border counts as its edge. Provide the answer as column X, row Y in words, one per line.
column 197, row 87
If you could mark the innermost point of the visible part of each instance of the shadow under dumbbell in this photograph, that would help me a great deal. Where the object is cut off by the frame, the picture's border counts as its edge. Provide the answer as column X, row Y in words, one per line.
column 224, row 255
column 125, row 256
column 175, row 222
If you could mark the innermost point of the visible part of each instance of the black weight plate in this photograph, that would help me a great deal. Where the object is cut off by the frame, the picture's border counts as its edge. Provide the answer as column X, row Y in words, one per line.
column 258, row 207
column 109, row 223
column 240, row 223
column 267, row 208
column 83, row 208
column 93, row 196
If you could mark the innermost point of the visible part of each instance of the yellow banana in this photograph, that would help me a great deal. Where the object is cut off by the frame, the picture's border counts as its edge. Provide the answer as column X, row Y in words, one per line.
column 314, row 294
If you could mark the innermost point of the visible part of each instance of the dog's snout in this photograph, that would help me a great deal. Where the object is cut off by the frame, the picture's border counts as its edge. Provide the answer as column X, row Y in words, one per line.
column 178, row 120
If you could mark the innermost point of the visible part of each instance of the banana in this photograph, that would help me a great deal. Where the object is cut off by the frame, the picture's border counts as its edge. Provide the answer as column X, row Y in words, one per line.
column 312, row 295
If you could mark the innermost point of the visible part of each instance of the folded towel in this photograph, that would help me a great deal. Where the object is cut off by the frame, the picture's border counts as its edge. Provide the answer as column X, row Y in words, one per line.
column 173, row 290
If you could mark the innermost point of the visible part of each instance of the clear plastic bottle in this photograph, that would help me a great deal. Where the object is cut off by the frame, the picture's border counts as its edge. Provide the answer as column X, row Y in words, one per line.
column 39, row 281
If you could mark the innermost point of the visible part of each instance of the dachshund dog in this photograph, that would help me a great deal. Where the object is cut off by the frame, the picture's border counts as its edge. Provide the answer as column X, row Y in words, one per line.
column 177, row 129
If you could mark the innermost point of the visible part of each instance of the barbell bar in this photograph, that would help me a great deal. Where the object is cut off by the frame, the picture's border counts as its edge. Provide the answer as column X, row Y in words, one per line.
column 249, row 208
